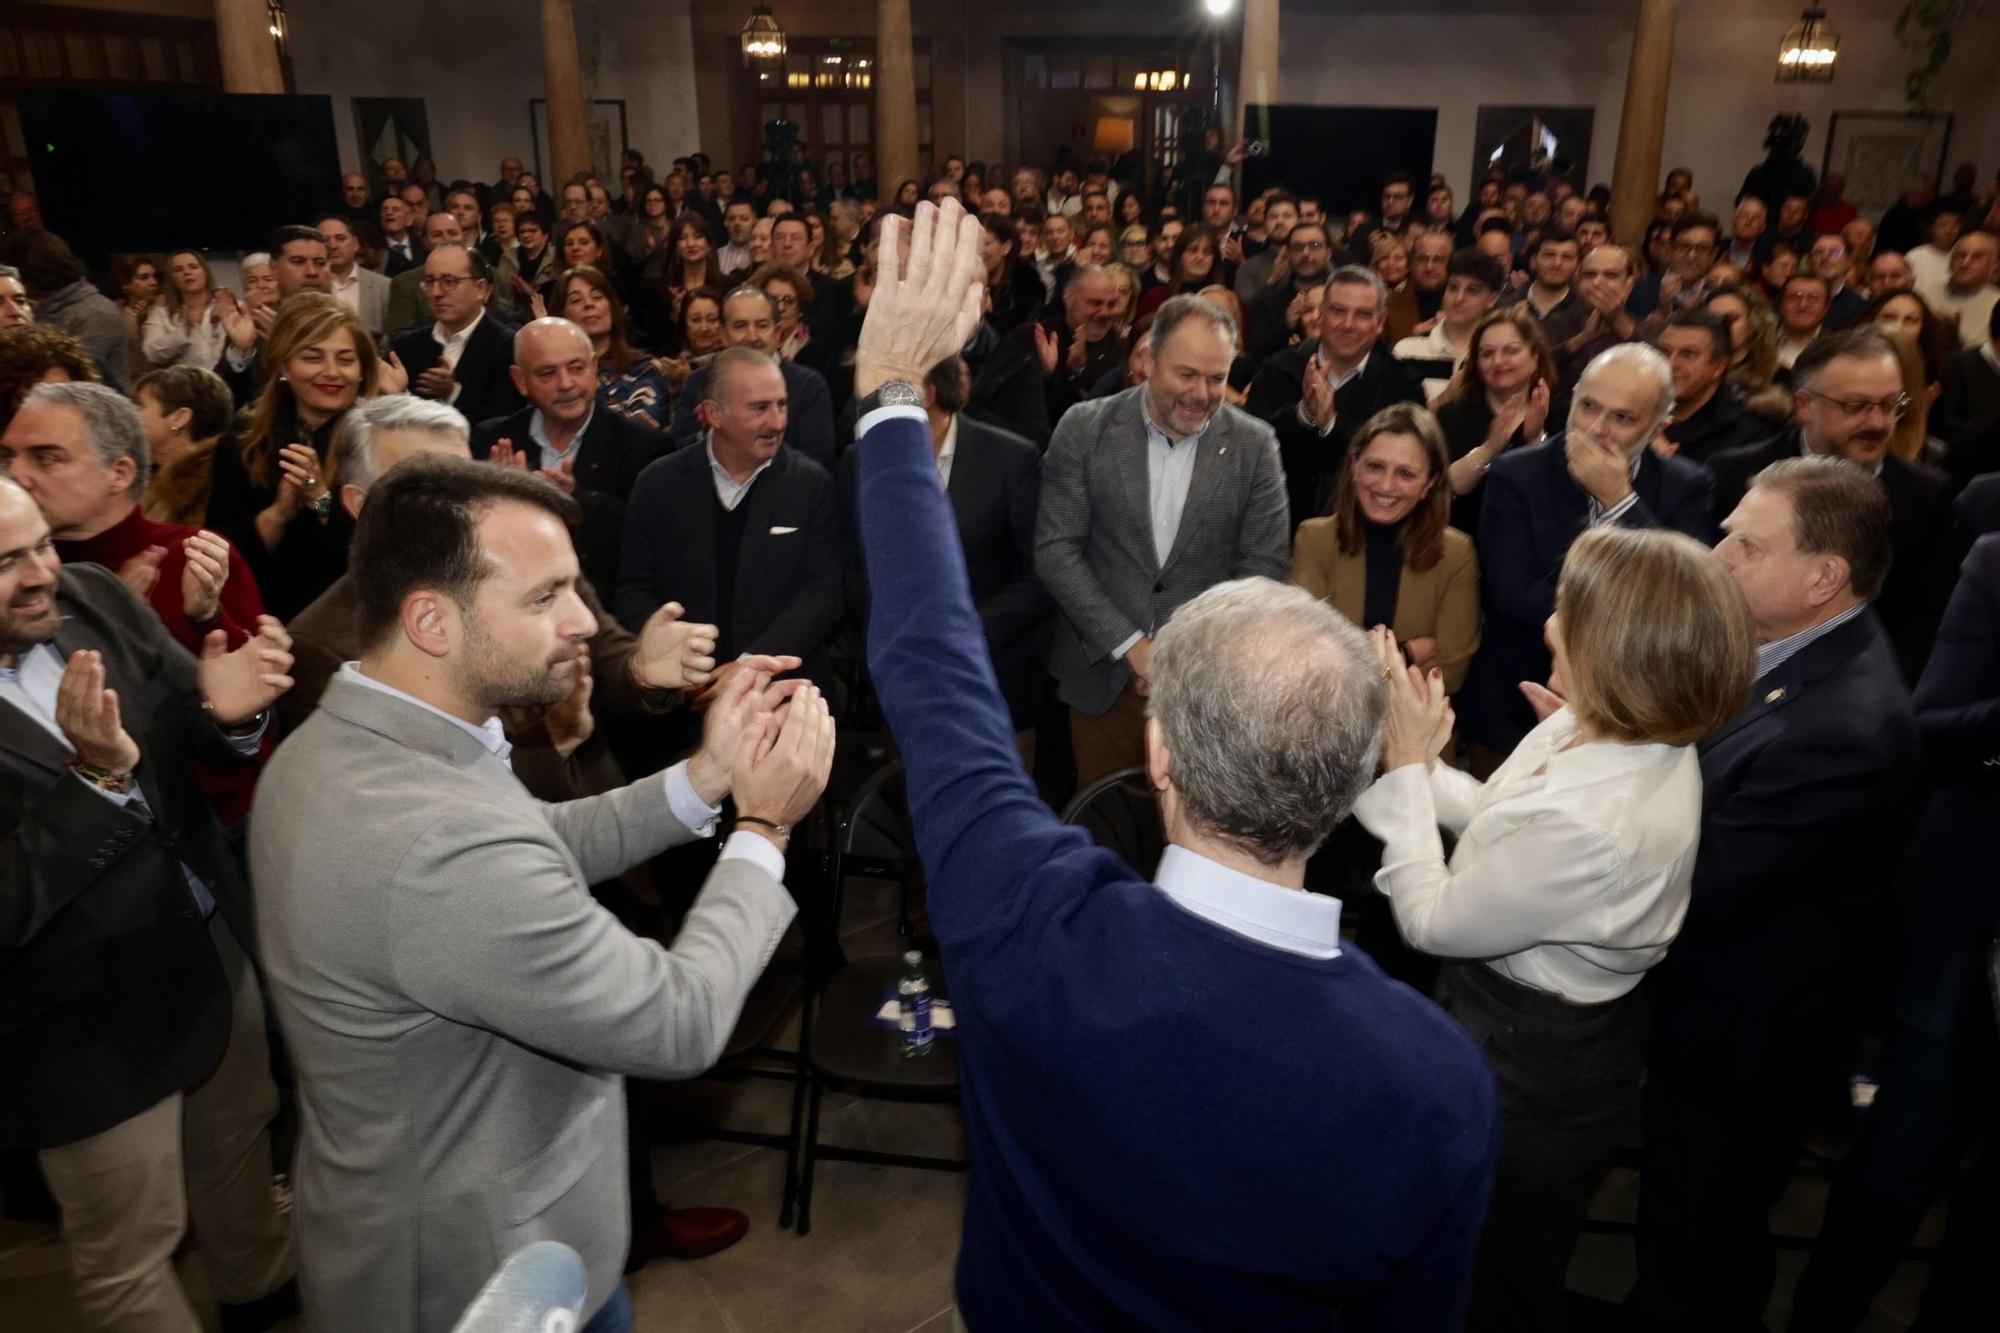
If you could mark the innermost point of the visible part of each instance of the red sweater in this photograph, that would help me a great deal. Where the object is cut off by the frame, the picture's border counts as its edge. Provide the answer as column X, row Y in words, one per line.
column 229, row 789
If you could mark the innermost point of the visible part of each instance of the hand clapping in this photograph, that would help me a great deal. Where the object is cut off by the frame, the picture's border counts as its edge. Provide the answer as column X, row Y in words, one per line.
column 1420, row 716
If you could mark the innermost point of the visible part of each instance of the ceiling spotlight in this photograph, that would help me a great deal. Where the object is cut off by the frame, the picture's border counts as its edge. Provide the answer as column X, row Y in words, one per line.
column 1219, row 8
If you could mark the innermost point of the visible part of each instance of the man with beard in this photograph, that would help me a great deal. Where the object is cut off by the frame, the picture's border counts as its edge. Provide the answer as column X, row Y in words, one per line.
column 135, row 1046
column 1213, row 509
column 460, row 1011
column 1076, row 348
column 1848, row 398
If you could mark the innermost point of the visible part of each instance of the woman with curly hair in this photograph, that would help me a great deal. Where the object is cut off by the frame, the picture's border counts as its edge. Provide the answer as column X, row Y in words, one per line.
column 273, row 493
column 136, row 279
column 1753, row 364
column 32, row 354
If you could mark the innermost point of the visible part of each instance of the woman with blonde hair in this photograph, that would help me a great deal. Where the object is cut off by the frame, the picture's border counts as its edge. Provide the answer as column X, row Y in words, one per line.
column 1386, row 555
column 184, row 327
column 1570, row 873
column 1753, row 361
column 273, row 492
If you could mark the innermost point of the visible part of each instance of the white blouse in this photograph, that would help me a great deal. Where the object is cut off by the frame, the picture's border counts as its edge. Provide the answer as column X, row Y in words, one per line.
column 167, row 341
column 1572, row 868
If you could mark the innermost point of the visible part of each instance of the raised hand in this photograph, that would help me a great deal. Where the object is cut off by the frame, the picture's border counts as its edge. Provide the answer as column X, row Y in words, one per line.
column 505, row 454
column 562, row 476
column 1535, row 419
column 142, row 571
column 1420, row 717
column 1318, row 392
column 1048, row 348
column 436, row 382
column 672, row 653
column 207, row 569
column 236, row 321
column 242, row 684
column 390, row 377
column 1602, row 471
column 740, row 703
column 570, row 721
column 926, row 311
column 1545, row 701
column 87, row 715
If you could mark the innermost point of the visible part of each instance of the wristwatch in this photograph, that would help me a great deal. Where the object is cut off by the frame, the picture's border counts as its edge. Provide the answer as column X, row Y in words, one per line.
column 890, row 393
column 322, row 505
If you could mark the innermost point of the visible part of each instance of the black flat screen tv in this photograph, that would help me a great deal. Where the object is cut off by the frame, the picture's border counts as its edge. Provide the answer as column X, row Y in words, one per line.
column 149, row 171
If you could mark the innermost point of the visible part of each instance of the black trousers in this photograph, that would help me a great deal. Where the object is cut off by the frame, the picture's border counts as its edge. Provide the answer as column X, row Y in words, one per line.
column 1569, row 1081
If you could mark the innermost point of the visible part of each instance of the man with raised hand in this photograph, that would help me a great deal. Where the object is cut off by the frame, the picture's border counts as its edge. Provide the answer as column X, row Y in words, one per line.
column 1135, row 1053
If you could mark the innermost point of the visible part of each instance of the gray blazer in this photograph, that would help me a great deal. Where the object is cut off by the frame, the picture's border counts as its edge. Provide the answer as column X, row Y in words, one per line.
column 374, row 299
column 1094, row 534
column 460, row 1011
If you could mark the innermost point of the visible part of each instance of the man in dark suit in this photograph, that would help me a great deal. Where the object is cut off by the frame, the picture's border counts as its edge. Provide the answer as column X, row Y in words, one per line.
column 1978, row 507
column 1078, row 343
column 1602, row 469
column 750, row 320
column 1849, row 397
column 401, row 250
column 126, row 924
column 467, row 357
column 1149, row 498
column 741, row 531
column 993, row 480
column 1108, row 1019
column 409, row 300
column 1804, row 799
column 1708, row 414
column 1316, row 395
column 593, row 456
column 1307, row 258
column 1939, row 1065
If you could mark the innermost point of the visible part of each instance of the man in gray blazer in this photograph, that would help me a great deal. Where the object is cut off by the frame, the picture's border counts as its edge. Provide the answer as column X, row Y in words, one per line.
column 1149, row 497
column 459, row 1010
column 362, row 290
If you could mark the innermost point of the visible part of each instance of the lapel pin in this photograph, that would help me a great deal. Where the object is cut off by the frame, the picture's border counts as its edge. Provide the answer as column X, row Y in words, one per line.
column 1775, row 695
column 1223, row 450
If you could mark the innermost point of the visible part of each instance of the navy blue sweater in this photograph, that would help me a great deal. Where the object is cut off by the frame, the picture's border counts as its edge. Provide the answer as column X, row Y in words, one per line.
column 1171, row 1126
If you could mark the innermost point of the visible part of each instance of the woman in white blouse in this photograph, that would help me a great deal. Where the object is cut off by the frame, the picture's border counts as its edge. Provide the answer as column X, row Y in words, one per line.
column 1570, row 874
column 184, row 327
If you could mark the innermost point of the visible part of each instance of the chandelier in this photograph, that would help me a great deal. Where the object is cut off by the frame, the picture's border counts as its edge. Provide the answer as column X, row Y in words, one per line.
column 763, row 39
column 1809, row 49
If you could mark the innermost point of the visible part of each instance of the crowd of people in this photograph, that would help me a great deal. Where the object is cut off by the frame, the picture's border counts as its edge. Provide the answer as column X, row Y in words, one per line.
column 1666, row 729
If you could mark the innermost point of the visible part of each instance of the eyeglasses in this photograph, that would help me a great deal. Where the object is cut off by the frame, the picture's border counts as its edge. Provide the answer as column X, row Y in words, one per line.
column 783, row 302
column 1897, row 408
column 1307, row 246
column 447, row 283
column 1693, row 247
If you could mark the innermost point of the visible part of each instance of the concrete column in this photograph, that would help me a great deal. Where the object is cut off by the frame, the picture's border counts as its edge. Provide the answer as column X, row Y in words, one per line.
column 1257, row 77
column 249, row 52
column 1642, row 127
column 569, row 126
column 895, row 99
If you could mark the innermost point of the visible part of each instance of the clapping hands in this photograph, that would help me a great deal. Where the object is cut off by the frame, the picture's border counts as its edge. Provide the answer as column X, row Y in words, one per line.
column 1420, row 717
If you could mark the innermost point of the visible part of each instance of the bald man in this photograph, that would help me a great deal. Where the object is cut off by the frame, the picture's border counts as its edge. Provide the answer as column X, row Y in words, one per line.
column 560, row 433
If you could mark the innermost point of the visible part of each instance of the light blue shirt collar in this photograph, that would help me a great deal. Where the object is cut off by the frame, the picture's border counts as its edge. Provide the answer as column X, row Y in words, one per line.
column 1307, row 924
column 488, row 733
column 552, row 457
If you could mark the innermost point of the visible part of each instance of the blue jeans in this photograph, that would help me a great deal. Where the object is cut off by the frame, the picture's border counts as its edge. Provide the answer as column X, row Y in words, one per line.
column 616, row 1316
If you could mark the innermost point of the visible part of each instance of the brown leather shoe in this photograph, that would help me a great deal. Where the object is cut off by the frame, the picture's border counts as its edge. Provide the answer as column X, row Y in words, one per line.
column 688, row 1233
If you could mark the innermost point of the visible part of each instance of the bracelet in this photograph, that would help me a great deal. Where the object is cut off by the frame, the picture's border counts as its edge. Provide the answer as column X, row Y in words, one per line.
column 105, row 779
column 782, row 830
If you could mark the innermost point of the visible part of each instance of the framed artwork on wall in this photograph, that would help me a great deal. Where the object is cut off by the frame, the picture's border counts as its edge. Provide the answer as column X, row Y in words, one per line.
column 1881, row 153
column 1532, row 141
column 386, row 127
column 607, row 138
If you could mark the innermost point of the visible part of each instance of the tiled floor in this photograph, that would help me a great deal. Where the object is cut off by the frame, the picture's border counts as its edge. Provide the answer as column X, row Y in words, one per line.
column 880, row 1256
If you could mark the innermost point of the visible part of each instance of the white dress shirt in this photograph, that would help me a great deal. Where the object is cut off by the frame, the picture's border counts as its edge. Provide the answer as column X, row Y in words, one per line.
column 1293, row 920
column 347, row 289
column 552, row 457
column 727, row 489
column 1572, row 869
column 947, row 451
column 686, row 804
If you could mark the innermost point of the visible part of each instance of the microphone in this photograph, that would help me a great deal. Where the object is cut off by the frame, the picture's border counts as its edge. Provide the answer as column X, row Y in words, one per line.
column 540, row 1289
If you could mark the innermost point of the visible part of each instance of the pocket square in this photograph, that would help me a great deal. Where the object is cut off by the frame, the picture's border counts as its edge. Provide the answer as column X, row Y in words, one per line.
column 782, row 532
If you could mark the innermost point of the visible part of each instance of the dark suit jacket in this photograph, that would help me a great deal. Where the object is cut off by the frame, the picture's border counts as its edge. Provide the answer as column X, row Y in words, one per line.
column 1958, row 720
column 1719, row 425
column 1923, row 534
column 1978, row 509
column 1533, row 511
column 808, row 412
column 485, row 387
column 1312, row 461
column 613, row 452
column 111, row 996
column 788, row 569
column 394, row 263
column 1805, row 798
column 994, row 491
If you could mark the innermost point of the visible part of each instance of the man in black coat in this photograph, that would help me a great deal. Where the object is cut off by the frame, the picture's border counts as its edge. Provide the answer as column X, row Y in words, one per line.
column 1939, row 1064
column 1539, row 499
column 1708, row 413
column 1316, row 395
column 750, row 320
column 742, row 532
column 467, row 357
column 126, row 928
column 1848, row 400
column 586, row 449
column 1307, row 258
column 1805, row 799
column 993, row 479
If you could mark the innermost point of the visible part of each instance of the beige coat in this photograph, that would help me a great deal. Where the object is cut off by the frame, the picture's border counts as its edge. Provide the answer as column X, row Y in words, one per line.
column 1440, row 603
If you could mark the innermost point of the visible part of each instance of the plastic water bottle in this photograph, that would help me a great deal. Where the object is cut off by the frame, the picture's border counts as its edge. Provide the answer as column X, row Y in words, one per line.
column 913, row 997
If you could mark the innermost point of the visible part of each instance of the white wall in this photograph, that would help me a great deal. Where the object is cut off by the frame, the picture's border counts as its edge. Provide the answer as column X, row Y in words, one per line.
column 476, row 63
column 1458, row 55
